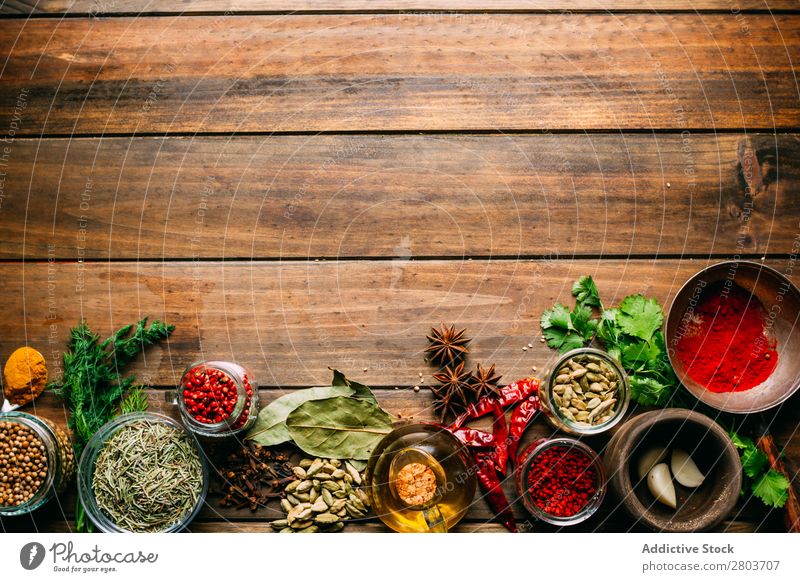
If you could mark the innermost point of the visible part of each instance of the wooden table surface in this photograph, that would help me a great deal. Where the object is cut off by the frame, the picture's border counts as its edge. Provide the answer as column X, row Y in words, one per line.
column 298, row 185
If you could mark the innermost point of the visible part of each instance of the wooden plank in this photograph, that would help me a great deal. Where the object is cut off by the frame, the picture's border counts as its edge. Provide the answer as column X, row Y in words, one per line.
column 290, row 321
column 93, row 7
column 398, row 196
column 428, row 72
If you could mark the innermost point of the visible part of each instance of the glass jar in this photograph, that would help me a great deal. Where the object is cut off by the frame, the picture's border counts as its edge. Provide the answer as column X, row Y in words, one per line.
column 218, row 399
column 58, row 453
column 576, row 494
column 88, row 461
column 420, row 479
column 553, row 390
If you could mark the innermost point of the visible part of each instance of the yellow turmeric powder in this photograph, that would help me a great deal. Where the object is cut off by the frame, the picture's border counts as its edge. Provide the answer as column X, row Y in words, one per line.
column 24, row 376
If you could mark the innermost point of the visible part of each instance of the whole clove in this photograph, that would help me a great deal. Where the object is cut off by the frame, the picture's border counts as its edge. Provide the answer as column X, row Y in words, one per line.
column 252, row 475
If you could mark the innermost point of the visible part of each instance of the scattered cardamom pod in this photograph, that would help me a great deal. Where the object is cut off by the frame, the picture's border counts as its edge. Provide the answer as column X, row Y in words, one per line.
column 322, row 496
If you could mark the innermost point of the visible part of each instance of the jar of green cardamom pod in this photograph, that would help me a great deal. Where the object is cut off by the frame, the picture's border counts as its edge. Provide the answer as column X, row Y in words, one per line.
column 36, row 462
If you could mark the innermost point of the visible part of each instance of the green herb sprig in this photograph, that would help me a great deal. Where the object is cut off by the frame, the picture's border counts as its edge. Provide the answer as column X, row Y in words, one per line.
column 631, row 333
column 771, row 487
column 91, row 385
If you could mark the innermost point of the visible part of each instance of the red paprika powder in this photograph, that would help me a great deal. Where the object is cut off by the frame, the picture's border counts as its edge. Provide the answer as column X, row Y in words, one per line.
column 724, row 347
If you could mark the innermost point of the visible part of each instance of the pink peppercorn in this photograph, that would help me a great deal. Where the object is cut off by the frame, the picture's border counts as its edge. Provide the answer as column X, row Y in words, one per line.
column 561, row 480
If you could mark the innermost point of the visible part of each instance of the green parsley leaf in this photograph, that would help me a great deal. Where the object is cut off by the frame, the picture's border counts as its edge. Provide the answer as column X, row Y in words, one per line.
column 639, row 353
column 563, row 340
column 585, row 292
column 609, row 331
column 639, row 316
column 583, row 323
column 649, row 391
column 772, row 488
column 565, row 330
column 559, row 316
column 741, row 442
column 754, row 460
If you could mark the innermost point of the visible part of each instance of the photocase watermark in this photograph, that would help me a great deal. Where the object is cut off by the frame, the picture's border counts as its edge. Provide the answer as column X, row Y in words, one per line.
column 177, row 56
column 7, row 139
column 64, row 557
column 402, row 256
column 82, row 234
column 54, row 343
column 344, row 152
column 31, row 555
column 206, row 193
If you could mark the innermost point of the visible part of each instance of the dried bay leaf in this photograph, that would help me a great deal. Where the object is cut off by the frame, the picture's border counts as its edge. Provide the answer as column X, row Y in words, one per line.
column 339, row 427
column 270, row 427
column 360, row 391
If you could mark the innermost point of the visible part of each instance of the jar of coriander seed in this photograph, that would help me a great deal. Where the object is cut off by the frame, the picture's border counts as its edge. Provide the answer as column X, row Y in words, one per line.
column 36, row 462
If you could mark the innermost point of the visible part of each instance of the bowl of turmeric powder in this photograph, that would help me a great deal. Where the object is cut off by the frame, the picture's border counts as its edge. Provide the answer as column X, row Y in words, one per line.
column 24, row 376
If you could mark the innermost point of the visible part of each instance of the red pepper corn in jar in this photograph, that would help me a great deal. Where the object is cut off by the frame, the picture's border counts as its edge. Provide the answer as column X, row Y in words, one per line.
column 561, row 481
column 218, row 398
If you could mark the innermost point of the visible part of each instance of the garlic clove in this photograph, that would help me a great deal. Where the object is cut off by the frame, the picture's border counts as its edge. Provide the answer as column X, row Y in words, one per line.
column 660, row 484
column 685, row 471
column 650, row 459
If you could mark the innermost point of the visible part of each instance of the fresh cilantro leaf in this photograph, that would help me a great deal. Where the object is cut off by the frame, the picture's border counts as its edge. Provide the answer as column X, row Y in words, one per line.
column 563, row 340
column 609, row 331
column 639, row 316
column 648, row 391
column 639, row 353
column 583, row 323
column 772, row 488
column 754, row 460
column 741, row 442
column 557, row 317
column 565, row 330
column 585, row 292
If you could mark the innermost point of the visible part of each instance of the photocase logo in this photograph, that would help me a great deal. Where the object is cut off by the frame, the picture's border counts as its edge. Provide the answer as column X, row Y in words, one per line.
column 31, row 555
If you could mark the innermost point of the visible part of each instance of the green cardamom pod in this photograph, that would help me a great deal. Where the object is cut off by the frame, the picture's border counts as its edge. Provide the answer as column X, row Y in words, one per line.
column 326, row 518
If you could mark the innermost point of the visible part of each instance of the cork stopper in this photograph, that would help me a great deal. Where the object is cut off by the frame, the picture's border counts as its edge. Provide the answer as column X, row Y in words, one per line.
column 416, row 484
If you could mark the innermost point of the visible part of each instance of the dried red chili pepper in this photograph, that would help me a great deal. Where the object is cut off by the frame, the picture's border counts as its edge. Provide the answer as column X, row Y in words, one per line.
column 500, row 432
column 495, row 496
column 509, row 395
column 520, row 419
column 473, row 437
column 491, row 450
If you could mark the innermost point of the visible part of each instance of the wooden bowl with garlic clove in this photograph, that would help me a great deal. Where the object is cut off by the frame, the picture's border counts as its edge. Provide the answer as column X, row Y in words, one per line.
column 698, row 508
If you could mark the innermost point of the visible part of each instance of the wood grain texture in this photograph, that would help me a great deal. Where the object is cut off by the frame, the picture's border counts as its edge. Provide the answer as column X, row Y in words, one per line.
column 429, row 72
column 290, row 321
column 94, row 7
column 399, row 197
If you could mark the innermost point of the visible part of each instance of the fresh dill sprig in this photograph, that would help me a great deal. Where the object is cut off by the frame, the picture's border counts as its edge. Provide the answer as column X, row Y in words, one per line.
column 91, row 385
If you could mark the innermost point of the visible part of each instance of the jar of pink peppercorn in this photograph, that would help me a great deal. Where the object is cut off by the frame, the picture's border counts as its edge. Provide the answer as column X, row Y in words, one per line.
column 218, row 399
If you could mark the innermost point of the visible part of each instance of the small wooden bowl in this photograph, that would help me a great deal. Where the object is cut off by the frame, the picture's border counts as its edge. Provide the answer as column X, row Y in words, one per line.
column 711, row 449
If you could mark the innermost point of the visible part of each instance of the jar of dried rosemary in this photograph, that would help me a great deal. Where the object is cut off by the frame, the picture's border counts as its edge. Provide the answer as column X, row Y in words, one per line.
column 36, row 462
column 142, row 472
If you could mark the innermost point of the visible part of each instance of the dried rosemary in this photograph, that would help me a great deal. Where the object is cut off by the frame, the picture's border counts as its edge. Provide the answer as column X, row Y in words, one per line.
column 147, row 477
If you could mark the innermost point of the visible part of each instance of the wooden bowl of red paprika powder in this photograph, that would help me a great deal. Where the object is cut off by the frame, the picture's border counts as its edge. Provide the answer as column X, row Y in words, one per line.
column 732, row 332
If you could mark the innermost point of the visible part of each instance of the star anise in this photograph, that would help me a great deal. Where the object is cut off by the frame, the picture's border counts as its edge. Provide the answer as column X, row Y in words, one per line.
column 484, row 382
column 448, row 346
column 452, row 394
